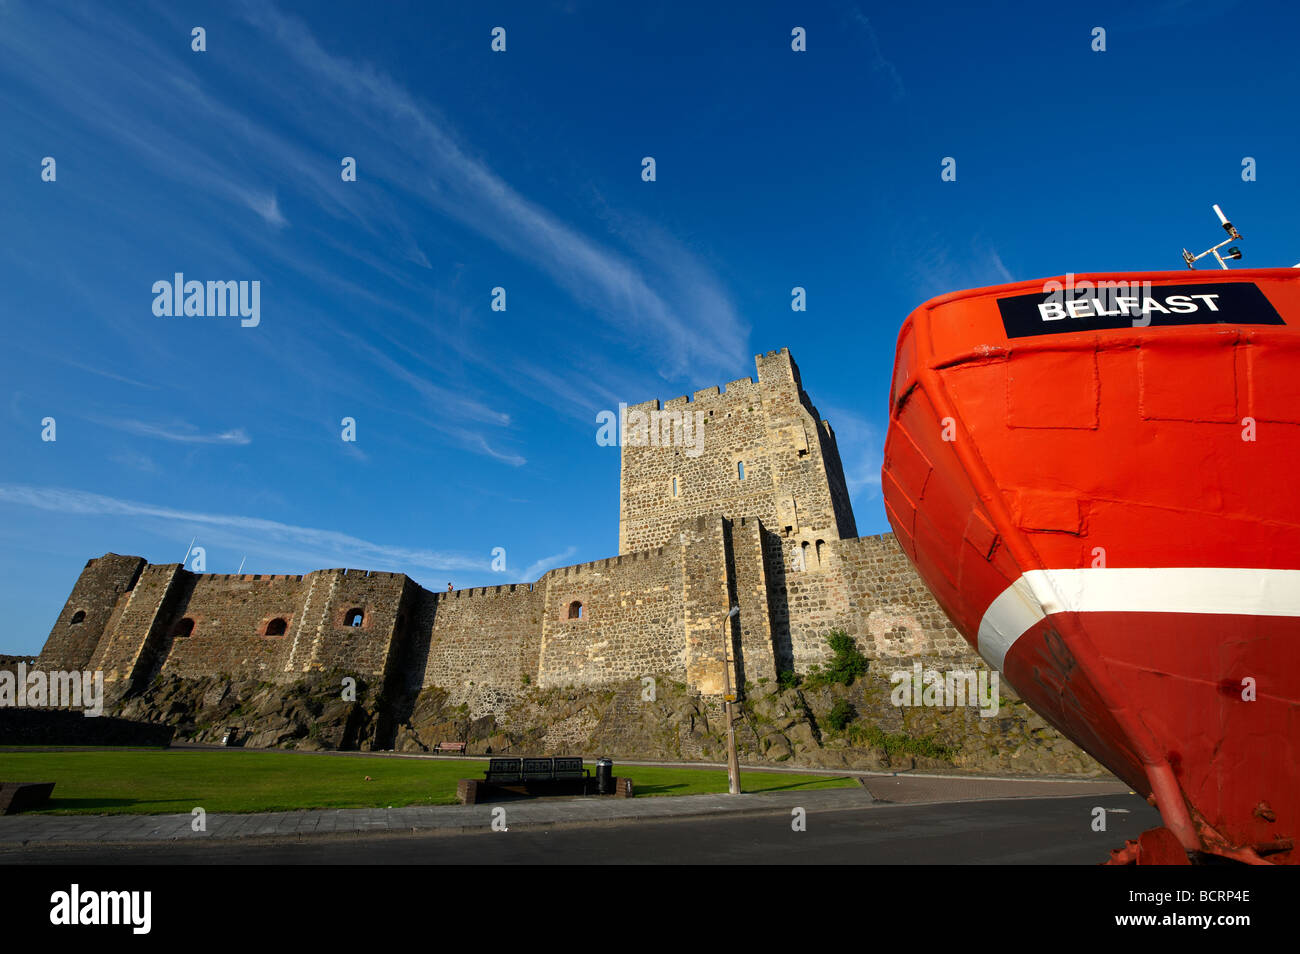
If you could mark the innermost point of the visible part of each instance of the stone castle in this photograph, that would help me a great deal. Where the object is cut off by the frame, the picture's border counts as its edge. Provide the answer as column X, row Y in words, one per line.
column 755, row 515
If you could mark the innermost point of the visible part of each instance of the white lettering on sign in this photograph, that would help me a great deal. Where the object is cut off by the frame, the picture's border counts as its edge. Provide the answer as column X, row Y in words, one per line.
column 1123, row 305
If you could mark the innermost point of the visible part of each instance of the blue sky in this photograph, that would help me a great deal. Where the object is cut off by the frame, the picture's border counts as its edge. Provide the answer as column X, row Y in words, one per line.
column 476, row 429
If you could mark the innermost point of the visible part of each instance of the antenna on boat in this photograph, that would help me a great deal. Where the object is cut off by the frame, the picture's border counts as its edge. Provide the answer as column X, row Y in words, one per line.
column 1233, row 252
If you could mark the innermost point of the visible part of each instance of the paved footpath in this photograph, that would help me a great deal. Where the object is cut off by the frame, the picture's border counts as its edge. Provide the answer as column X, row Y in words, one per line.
column 23, row 831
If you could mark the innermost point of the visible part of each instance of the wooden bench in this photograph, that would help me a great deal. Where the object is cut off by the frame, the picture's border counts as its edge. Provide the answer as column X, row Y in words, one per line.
column 451, row 747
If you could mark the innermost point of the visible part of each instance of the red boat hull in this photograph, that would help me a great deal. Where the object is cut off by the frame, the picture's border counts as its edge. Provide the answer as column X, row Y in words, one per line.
column 1106, row 510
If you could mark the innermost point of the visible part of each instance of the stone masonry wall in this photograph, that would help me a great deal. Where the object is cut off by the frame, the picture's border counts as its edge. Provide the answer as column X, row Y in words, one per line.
column 95, row 596
column 320, row 638
column 866, row 587
column 792, row 473
column 631, row 622
column 486, row 637
column 658, row 611
column 230, row 616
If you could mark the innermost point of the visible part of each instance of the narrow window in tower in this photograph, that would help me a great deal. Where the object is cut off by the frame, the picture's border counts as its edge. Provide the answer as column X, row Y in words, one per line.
column 740, row 470
column 820, row 545
column 78, row 617
column 575, row 610
column 674, row 486
column 803, row 555
column 354, row 618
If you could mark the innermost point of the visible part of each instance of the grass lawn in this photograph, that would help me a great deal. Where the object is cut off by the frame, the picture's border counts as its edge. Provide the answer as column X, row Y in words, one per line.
column 158, row 781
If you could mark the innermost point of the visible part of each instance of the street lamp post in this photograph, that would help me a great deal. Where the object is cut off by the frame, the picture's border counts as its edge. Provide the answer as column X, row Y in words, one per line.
column 733, row 764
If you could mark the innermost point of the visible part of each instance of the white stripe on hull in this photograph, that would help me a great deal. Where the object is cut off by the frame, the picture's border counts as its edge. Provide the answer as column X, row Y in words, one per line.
column 1234, row 591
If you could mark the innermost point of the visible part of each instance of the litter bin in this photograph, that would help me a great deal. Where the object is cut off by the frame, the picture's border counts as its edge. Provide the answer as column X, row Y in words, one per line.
column 604, row 777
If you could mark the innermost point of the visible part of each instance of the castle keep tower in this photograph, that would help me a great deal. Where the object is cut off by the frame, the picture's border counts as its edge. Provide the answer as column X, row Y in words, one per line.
column 754, row 450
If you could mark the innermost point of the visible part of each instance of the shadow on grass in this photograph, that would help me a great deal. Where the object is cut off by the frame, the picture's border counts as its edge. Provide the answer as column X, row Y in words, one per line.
column 820, row 783
column 93, row 805
column 665, row 789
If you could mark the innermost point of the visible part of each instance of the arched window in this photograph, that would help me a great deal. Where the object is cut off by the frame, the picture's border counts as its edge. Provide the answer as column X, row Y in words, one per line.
column 803, row 555
column 575, row 610
column 740, row 470
column 277, row 626
column 183, row 628
column 354, row 617
column 674, row 486
column 78, row 617
column 821, row 545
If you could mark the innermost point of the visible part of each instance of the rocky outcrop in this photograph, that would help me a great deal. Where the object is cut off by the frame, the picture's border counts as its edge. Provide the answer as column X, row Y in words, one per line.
column 320, row 711
column 783, row 726
column 653, row 720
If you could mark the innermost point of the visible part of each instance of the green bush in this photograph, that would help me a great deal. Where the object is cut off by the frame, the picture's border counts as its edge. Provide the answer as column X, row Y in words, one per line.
column 900, row 743
column 841, row 714
column 845, row 665
column 788, row 679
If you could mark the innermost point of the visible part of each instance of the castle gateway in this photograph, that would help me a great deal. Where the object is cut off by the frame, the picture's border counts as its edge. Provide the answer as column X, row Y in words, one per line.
column 758, row 518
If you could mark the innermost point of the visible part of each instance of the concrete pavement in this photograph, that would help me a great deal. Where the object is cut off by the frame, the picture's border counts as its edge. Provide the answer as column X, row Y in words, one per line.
column 42, row 831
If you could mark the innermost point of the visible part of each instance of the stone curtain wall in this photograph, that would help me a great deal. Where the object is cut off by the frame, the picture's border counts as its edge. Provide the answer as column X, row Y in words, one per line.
column 631, row 624
column 230, row 614
column 655, row 612
column 320, row 638
column 889, row 610
column 867, row 588
column 486, row 636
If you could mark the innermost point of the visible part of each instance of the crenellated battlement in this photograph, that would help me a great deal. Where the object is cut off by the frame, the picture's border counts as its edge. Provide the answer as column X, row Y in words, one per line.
column 478, row 592
column 577, row 569
column 700, row 400
column 761, row 450
column 251, row 577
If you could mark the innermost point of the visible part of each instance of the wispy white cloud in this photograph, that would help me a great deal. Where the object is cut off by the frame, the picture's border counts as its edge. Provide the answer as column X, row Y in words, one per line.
column 692, row 323
column 254, row 534
column 878, row 61
column 1002, row 270
column 135, row 461
column 99, row 371
column 183, row 433
column 514, row 460
column 534, row 571
column 637, row 284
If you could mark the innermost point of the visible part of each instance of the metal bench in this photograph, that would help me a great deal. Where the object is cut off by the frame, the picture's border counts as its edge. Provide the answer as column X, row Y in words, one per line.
column 567, row 769
column 538, row 770
column 504, row 771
